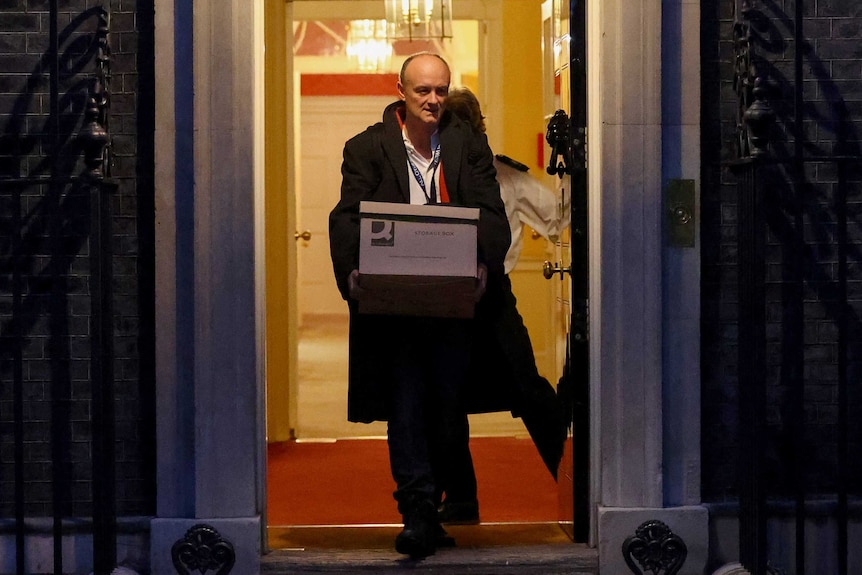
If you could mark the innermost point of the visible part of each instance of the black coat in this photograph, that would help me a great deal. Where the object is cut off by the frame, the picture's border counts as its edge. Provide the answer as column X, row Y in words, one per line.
column 375, row 169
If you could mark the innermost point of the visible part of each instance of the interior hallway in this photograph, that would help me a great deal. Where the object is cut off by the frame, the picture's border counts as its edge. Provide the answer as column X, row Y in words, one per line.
column 307, row 491
column 322, row 393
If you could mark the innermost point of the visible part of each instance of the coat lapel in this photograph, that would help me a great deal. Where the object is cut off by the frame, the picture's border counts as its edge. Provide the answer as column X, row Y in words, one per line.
column 396, row 155
column 450, row 155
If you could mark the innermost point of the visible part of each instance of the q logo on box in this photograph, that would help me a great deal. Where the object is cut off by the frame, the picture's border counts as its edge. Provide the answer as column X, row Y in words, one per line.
column 382, row 233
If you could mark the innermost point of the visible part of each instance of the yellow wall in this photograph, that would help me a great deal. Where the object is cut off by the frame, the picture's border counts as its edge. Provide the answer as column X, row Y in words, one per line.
column 278, row 284
column 522, row 79
column 523, row 118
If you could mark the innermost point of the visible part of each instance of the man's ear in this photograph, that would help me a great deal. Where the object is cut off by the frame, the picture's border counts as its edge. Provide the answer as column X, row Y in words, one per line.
column 400, row 88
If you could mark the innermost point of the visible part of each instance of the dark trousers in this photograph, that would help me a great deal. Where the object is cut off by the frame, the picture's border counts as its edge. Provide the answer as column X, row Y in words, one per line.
column 428, row 424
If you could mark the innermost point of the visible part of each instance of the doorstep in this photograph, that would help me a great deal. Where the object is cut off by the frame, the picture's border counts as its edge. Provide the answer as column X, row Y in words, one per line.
column 498, row 549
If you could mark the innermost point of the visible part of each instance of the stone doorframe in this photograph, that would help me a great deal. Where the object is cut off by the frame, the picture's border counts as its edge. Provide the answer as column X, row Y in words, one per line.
column 209, row 384
column 644, row 136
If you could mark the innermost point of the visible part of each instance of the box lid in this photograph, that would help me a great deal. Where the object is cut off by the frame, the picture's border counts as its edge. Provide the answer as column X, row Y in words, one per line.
column 433, row 211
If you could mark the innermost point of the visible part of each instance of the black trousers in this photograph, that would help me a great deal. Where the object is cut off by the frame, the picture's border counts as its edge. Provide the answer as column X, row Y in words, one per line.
column 428, row 425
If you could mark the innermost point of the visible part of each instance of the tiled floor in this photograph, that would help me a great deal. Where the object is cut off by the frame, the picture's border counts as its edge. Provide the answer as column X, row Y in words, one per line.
column 481, row 550
column 322, row 395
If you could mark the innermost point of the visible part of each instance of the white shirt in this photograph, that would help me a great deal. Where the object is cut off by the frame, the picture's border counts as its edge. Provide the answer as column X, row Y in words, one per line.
column 529, row 202
column 423, row 164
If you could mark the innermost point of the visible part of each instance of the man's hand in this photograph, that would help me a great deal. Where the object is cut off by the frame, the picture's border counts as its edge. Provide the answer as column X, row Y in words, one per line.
column 356, row 292
column 481, row 282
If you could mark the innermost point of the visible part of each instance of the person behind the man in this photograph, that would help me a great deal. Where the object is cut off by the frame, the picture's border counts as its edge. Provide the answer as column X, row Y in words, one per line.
column 526, row 201
column 412, row 371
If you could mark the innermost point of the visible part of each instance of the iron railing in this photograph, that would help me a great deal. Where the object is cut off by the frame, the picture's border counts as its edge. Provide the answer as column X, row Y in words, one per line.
column 72, row 172
column 774, row 193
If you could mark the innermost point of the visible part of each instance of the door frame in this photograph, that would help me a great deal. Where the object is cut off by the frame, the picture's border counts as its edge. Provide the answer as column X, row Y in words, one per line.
column 287, row 115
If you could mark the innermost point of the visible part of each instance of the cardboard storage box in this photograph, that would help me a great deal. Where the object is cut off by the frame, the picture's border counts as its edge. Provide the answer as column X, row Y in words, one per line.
column 417, row 260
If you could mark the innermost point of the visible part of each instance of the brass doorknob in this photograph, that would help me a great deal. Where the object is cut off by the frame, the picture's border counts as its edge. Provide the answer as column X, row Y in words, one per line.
column 549, row 269
column 306, row 235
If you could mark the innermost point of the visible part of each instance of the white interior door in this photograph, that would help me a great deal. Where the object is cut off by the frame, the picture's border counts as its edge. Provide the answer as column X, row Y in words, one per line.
column 327, row 122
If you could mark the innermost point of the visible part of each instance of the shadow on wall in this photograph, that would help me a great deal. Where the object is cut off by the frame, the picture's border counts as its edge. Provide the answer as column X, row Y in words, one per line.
column 46, row 169
column 808, row 188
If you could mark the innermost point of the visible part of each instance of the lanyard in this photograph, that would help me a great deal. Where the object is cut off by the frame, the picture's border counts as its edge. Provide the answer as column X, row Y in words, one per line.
column 432, row 197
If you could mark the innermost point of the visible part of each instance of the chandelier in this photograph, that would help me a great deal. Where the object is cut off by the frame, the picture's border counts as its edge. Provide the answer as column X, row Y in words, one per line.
column 368, row 46
column 419, row 19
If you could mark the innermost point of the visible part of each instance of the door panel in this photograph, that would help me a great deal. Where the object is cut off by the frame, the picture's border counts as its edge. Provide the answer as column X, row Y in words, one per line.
column 556, row 99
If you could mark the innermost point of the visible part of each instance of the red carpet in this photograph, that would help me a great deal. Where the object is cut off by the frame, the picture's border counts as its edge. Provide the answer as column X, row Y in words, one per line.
column 348, row 482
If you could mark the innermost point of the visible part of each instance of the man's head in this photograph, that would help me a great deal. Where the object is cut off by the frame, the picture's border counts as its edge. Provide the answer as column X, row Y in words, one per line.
column 423, row 85
column 464, row 104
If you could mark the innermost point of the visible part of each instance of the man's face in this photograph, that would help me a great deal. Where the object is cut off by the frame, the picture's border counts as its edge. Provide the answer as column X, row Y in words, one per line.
column 426, row 83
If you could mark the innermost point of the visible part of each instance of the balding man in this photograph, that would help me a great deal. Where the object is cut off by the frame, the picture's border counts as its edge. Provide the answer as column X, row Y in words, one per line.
column 412, row 371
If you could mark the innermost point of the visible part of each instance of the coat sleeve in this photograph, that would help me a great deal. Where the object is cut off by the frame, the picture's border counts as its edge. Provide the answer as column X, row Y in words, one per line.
column 360, row 176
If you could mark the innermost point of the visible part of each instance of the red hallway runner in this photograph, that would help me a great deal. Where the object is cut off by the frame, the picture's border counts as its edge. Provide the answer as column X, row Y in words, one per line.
column 347, row 482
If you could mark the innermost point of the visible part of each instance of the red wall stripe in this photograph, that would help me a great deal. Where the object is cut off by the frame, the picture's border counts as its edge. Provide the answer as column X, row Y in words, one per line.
column 349, row 85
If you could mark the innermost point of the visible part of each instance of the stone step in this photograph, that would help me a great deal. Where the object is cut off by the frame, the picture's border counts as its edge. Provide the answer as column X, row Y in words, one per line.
column 487, row 549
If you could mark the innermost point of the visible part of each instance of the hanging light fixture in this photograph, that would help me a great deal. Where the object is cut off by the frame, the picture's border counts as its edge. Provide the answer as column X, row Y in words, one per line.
column 368, row 46
column 419, row 19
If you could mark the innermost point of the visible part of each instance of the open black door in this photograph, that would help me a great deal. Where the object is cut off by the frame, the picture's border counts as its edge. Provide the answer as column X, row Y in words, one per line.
column 566, row 50
column 579, row 356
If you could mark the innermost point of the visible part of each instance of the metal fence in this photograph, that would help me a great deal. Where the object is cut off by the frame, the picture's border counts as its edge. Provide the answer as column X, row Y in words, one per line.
column 776, row 179
column 69, row 188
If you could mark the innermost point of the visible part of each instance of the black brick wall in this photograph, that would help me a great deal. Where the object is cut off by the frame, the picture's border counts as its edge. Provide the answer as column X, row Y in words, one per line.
column 54, row 254
column 832, row 124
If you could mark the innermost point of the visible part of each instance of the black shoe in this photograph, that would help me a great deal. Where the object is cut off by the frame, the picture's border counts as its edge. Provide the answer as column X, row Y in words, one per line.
column 415, row 543
column 458, row 512
column 419, row 537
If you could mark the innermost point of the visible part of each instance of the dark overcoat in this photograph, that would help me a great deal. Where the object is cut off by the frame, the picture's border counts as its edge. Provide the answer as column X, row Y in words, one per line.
column 374, row 168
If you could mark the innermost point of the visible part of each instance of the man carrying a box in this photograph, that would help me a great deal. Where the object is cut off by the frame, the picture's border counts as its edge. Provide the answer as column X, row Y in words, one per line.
column 412, row 371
